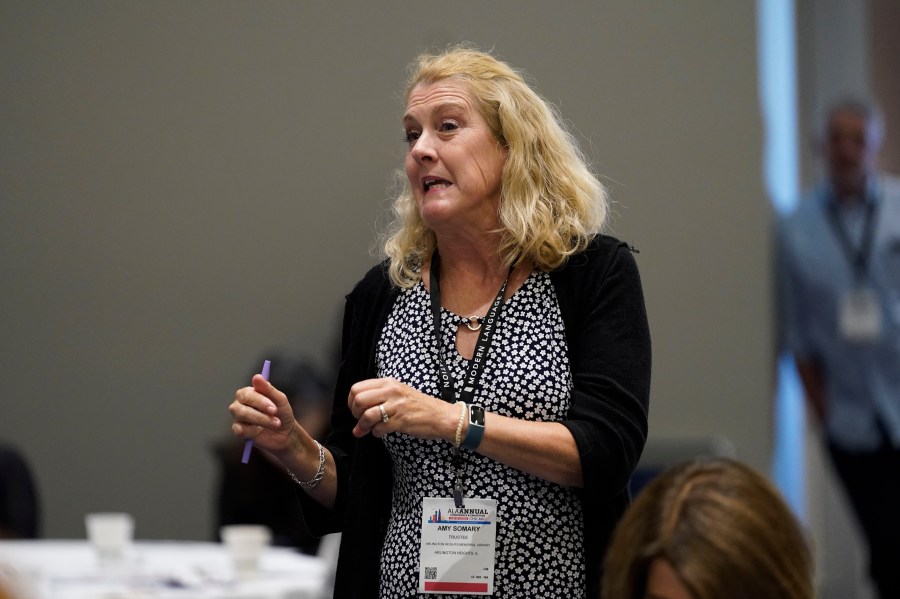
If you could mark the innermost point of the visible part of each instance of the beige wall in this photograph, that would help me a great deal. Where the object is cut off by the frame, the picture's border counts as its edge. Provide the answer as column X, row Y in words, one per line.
column 885, row 48
column 186, row 184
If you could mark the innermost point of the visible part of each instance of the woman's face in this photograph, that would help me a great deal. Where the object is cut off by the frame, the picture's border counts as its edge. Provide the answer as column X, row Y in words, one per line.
column 453, row 162
column 663, row 582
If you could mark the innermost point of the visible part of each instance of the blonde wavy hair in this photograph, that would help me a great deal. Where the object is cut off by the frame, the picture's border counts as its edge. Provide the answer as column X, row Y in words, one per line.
column 724, row 529
column 551, row 203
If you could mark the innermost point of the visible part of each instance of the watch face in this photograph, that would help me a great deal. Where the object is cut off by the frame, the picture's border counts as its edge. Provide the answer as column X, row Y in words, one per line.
column 476, row 415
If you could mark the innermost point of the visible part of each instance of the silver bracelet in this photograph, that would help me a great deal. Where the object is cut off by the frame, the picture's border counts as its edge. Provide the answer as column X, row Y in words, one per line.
column 320, row 472
column 463, row 410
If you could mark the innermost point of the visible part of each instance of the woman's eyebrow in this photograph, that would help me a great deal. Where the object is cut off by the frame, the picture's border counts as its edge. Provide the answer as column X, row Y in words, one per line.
column 442, row 107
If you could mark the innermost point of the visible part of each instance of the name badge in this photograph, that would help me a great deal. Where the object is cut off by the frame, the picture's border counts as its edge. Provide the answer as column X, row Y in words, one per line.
column 458, row 545
column 860, row 317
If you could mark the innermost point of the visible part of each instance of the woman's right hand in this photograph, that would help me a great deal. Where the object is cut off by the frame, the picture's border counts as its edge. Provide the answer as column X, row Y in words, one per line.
column 263, row 413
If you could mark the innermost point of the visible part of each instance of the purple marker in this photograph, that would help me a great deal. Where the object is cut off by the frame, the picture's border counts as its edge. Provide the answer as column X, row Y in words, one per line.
column 248, row 444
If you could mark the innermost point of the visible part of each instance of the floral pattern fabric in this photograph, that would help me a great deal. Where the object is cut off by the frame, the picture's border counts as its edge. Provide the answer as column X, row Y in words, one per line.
column 539, row 551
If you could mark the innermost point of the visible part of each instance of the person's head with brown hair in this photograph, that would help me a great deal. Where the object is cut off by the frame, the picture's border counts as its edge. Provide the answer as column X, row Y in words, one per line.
column 708, row 529
column 9, row 583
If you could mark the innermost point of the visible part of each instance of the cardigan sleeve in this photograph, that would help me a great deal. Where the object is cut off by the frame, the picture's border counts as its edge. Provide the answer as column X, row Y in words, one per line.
column 602, row 303
column 361, row 322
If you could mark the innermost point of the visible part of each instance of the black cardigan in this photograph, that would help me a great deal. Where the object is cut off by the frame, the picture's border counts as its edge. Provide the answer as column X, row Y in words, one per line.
column 602, row 305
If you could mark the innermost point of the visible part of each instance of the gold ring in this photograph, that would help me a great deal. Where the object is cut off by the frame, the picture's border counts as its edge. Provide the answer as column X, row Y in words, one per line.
column 384, row 416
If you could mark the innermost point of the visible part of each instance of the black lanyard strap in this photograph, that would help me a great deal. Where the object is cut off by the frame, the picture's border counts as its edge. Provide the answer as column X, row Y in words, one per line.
column 472, row 379
column 857, row 256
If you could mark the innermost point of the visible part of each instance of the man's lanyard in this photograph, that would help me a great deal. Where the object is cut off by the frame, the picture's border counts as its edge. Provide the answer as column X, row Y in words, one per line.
column 858, row 256
column 476, row 364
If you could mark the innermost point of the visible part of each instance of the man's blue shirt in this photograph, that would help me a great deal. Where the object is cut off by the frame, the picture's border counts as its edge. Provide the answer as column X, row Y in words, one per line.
column 815, row 273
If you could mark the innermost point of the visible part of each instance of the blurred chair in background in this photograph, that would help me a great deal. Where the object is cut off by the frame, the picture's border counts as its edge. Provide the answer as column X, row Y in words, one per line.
column 260, row 492
column 662, row 453
column 19, row 504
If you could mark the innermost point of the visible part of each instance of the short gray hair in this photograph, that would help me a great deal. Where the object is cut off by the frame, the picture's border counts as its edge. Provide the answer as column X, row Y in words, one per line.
column 862, row 107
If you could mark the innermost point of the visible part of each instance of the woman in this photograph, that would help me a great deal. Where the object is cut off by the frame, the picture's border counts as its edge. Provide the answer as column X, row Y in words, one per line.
column 708, row 529
column 534, row 401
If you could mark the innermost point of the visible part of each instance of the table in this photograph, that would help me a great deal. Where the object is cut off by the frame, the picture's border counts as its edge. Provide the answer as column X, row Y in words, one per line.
column 62, row 569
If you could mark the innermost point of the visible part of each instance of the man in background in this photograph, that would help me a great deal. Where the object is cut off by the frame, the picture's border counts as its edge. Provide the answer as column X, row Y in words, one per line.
column 839, row 300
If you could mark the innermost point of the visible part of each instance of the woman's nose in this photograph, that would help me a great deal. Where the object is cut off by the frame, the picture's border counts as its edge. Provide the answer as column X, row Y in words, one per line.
column 424, row 148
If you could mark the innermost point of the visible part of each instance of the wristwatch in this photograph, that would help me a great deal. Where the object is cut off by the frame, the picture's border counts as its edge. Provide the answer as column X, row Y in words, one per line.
column 475, row 431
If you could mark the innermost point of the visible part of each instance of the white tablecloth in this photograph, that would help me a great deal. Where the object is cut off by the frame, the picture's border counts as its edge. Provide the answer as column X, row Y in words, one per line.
column 57, row 569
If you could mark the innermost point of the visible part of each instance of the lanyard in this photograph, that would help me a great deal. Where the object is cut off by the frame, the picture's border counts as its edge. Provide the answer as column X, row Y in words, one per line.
column 476, row 364
column 858, row 256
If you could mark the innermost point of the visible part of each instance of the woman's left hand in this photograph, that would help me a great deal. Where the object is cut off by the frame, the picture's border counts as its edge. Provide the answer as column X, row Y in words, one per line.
column 543, row 449
column 383, row 406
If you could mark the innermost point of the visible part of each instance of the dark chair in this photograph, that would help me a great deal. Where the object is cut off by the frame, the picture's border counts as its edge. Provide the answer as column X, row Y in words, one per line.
column 661, row 453
column 19, row 506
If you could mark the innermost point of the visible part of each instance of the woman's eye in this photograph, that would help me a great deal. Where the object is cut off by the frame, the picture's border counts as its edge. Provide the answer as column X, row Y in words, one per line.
column 449, row 126
column 410, row 136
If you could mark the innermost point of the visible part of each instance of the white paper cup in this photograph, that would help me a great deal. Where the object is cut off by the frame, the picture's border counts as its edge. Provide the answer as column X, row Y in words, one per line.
column 110, row 533
column 246, row 543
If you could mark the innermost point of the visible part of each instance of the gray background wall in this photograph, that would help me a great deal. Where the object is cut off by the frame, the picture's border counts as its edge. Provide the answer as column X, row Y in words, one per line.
column 185, row 184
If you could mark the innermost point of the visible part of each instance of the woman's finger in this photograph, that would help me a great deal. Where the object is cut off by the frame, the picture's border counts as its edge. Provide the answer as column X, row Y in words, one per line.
column 246, row 431
column 244, row 414
column 248, row 396
column 372, row 421
column 371, row 392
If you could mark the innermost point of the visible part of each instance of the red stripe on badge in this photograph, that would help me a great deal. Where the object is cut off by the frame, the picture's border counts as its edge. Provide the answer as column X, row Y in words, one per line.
column 462, row 587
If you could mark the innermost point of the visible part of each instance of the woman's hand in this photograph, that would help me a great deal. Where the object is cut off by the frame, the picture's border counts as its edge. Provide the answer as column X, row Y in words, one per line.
column 543, row 449
column 407, row 411
column 263, row 413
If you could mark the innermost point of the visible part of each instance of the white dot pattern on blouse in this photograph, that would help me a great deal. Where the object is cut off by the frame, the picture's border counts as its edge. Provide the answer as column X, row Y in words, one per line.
column 539, row 550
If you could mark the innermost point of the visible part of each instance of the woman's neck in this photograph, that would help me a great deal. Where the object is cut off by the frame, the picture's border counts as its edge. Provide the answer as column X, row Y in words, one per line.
column 474, row 269
column 471, row 275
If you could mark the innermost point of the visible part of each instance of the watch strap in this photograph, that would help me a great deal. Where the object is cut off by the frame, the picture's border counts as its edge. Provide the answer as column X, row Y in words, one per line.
column 475, row 430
